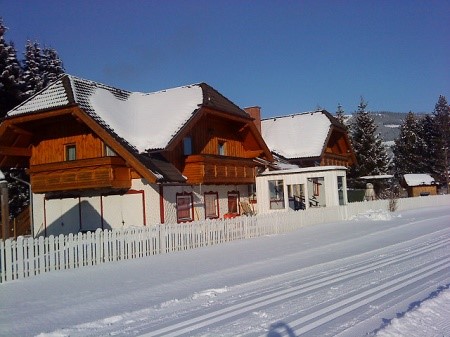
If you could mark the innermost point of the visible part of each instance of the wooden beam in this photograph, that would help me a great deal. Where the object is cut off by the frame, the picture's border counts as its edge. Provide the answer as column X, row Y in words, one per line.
column 19, row 131
column 15, row 151
column 38, row 116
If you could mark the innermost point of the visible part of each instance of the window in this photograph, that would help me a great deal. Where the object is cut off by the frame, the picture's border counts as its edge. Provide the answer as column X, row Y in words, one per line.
column 187, row 146
column 211, row 205
column 252, row 193
column 185, row 207
column 276, row 194
column 221, row 148
column 233, row 202
column 317, row 182
column 71, row 152
column 296, row 195
column 340, row 183
column 108, row 152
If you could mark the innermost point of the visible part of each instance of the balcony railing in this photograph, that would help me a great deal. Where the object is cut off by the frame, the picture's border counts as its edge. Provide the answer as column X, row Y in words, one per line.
column 94, row 173
column 202, row 169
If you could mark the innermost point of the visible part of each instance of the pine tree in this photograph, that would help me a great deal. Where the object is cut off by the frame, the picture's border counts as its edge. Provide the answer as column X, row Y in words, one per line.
column 370, row 153
column 441, row 117
column 409, row 147
column 10, row 72
column 52, row 66
column 40, row 67
column 340, row 115
column 33, row 68
column 429, row 133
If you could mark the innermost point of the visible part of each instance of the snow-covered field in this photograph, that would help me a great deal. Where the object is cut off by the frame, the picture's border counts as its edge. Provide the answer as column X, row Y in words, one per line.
column 378, row 274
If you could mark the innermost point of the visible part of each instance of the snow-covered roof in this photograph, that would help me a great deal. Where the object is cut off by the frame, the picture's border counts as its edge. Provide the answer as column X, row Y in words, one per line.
column 147, row 121
column 417, row 179
column 298, row 135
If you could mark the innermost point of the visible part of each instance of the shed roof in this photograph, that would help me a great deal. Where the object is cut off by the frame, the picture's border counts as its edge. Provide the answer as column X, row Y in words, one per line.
column 418, row 179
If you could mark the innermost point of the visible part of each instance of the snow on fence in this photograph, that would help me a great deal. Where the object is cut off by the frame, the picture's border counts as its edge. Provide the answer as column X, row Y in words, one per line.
column 26, row 257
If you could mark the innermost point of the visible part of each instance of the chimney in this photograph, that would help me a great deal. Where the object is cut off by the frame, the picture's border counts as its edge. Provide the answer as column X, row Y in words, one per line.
column 255, row 113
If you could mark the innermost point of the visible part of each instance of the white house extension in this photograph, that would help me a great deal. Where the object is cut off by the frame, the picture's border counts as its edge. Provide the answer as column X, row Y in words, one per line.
column 301, row 188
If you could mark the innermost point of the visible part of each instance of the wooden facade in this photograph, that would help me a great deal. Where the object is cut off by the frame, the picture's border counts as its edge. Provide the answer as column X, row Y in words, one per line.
column 222, row 150
column 44, row 141
column 425, row 190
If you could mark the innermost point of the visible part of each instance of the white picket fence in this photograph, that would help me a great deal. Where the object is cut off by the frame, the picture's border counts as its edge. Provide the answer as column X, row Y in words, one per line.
column 26, row 257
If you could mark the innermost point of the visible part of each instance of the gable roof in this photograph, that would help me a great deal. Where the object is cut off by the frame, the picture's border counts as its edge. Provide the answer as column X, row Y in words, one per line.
column 140, row 122
column 147, row 121
column 299, row 135
column 418, row 179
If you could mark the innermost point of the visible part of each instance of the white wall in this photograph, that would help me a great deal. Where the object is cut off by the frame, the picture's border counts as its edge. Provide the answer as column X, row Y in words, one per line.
column 141, row 206
column 328, row 195
column 71, row 215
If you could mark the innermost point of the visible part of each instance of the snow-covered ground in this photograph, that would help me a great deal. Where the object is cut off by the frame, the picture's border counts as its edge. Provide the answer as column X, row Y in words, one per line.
column 378, row 274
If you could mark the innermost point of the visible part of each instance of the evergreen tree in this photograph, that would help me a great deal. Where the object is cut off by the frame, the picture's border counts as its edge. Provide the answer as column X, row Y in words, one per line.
column 429, row 133
column 441, row 117
column 52, row 66
column 10, row 72
column 340, row 115
column 33, row 68
column 370, row 153
column 409, row 147
column 40, row 67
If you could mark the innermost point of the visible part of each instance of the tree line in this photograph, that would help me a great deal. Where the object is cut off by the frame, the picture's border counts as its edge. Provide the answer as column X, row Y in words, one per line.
column 421, row 147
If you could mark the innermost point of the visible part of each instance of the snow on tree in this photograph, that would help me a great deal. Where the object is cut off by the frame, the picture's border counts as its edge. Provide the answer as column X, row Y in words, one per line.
column 10, row 71
column 33, row 68
column 52, row 66
column 340, row 115
column 441, row 142
column 410, row 147
column 40, row 67
column 370, row 153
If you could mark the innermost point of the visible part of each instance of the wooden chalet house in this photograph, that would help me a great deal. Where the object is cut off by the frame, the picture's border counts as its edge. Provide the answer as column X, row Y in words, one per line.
column 308, row 139
column 101, row 157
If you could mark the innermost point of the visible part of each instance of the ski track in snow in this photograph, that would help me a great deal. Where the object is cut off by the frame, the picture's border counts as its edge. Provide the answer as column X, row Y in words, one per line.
column 305, row 302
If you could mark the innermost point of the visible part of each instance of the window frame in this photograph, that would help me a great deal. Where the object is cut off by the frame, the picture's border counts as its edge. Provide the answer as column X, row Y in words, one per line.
column 188, row 207
column 236, row 196
column 316, row 187
column 276, row 193
column 187, row 146
column 212, row 203
column 108, row 151
column 221, row 147
column 68, row 153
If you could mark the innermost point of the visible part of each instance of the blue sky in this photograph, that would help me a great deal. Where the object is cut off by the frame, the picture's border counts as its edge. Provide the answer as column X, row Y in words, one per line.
column 284, row 56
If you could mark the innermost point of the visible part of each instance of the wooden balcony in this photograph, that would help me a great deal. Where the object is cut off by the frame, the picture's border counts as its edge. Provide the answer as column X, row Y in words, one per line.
column 208, row 169
column 106, row 173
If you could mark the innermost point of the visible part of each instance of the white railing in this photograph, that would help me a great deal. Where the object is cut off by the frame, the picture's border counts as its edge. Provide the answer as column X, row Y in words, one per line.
column 25, row 256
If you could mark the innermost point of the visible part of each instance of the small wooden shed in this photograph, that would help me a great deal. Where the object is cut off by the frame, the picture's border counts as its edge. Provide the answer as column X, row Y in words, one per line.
column 419, row 184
